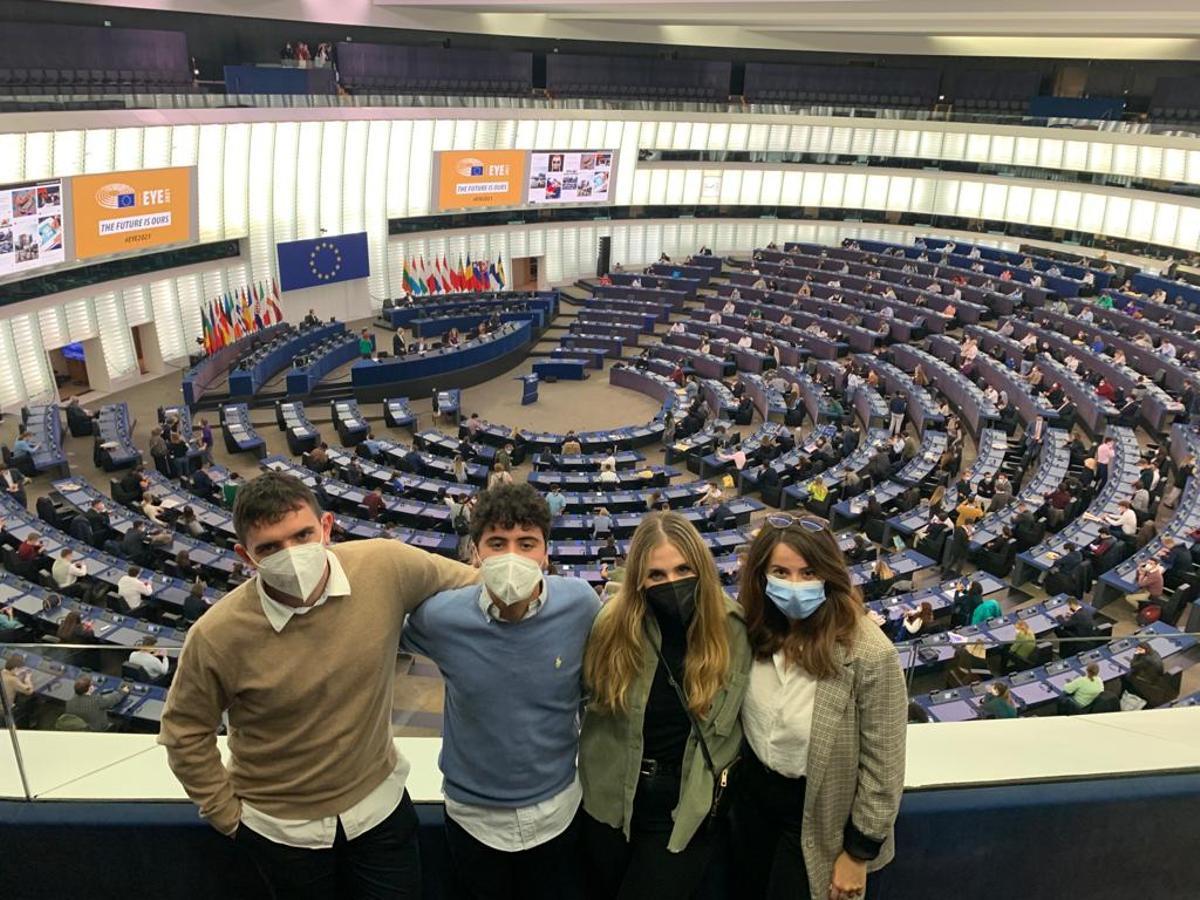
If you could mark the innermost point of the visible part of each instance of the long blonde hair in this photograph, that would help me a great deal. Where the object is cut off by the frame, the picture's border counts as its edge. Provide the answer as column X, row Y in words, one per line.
column 614, row 655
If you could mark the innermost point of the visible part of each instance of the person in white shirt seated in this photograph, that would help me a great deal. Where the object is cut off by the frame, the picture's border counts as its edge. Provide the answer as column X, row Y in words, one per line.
column 637, row 282
column 1166, row 349
column 152, row 509
column 1124, row 520
column 133, row 590
column 677, row 328
column 711, row 495
column 66, row 571
column 760, row 284
column 729, row 309
column 735, row 294
column 155, row 663
column 608, row 476
column 745, row 341
column 714, row 318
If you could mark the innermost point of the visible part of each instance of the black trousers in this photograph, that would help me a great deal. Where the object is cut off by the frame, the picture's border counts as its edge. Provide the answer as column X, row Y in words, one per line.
column 642, row 868
column 766, row 818
column 550, row 871
column 382, row 864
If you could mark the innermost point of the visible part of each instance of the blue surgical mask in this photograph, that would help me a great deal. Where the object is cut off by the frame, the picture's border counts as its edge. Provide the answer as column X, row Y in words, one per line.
column 796, row 599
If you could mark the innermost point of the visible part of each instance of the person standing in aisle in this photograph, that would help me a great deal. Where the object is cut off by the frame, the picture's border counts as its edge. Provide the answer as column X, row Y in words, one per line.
column 825, row 718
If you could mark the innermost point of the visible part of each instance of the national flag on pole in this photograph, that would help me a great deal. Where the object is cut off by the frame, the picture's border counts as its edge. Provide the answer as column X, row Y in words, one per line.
column 206, row 332
column 247, row 312
column 444, row 275
column 427, row 276
column 500, row 277
column 468, row 275
column 273, row 303
column 456, row 275
column 414, row 279
column 259, row 324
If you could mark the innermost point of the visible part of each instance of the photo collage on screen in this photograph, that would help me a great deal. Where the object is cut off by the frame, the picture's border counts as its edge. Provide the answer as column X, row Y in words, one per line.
column 31, row 227
column 578, row 176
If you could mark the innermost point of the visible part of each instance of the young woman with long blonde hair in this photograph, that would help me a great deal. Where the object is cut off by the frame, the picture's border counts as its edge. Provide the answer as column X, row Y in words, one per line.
column 665, row 671
column 824, row 717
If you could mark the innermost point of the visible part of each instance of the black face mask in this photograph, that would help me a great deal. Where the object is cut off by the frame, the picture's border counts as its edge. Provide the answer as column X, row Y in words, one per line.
column 674, row 600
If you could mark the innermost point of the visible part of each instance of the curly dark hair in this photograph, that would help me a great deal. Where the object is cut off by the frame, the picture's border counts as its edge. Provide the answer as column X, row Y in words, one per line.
column 507, row 506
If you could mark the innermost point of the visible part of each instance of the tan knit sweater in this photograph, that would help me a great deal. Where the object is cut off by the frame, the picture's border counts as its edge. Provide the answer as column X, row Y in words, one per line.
column 309, row 707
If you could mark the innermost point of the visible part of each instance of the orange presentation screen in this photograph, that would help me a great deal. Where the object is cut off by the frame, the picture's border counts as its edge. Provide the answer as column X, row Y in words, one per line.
column 478, row 179
column 129, row 212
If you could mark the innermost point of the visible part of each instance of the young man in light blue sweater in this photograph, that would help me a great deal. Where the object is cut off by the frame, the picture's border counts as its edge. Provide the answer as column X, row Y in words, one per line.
column 511, row 654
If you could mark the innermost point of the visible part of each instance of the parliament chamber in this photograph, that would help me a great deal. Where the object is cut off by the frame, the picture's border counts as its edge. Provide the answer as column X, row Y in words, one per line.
column 938, row 294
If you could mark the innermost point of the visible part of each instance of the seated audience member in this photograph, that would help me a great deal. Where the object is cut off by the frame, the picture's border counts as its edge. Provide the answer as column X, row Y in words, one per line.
column 918, row 621
column 134, row 589
column 154, row 662
column 1079, row 693
column 988, row 609
column 999, row 702
column 73, row 630
column 66, row 572
column 602, row 523
column 1079, row 622
column 30, row 549
column 1024, row 644
column 91, row 706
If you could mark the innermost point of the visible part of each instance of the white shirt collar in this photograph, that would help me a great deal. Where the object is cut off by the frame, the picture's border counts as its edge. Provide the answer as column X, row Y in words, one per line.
column 279, row 614
column 492, row 611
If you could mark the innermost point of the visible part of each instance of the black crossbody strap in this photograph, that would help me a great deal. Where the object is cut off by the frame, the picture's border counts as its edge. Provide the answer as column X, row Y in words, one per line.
column 684, row 702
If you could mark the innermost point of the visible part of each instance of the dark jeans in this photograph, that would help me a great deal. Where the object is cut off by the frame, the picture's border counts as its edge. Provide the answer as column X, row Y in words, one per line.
column 766, row 818
column 550, row 871
column 642, row 868
column 383, row 864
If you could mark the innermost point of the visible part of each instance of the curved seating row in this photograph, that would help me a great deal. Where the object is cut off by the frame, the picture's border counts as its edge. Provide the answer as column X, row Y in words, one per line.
column 975, row 410
column 104, row 567
column 1042, row 686
column 1123, row 471
column 331, row 354
column 302, row 435
column 449, row 304
column 45, row 427
column 114, row 448
column 372, row 374
column 240, row 435
column 200, row 377
column 271, row 355
column 331, row 491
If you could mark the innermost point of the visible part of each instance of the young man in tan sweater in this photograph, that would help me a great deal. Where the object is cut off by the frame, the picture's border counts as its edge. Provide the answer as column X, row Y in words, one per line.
column 302, row 660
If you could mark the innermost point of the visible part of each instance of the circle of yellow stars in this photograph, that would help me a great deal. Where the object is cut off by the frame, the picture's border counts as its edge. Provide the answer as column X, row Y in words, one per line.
column 312, row 260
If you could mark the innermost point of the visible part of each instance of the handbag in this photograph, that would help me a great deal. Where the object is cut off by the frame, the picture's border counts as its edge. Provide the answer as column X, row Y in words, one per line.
column 1131, row 702
column 722, row 781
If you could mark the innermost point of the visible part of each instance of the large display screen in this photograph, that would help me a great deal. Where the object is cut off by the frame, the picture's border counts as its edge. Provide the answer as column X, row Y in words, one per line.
column 479, row 179
column 130, row 212
column 83, row 217
column 570, row 176
column 31, row 226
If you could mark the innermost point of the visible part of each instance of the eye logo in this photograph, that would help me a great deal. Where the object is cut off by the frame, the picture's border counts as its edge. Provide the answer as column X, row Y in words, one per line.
column 116, row 196
column 470, row 167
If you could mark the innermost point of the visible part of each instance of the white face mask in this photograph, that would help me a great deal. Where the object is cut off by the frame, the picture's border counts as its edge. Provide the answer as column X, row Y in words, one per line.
column 510, row 577
column 295, row 571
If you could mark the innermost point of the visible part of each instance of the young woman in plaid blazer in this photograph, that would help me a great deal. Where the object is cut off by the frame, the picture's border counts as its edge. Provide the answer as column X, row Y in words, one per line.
column 824, row 718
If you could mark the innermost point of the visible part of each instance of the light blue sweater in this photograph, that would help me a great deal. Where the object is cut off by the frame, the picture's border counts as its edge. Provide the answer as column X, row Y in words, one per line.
column 513, row 691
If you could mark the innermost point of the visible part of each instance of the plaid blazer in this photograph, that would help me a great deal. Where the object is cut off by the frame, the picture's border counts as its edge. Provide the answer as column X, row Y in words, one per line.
column 856, row 754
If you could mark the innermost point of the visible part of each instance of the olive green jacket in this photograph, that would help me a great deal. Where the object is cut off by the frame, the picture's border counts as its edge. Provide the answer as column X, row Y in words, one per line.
column 610, row 746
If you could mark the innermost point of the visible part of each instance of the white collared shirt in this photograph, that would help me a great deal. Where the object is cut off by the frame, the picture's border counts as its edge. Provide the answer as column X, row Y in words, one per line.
column 319, row 834
column 511, row 830
column 777, row 715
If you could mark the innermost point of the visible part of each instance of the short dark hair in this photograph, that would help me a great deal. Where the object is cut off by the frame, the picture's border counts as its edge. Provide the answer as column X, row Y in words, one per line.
column 507, row 506
column 266, row 499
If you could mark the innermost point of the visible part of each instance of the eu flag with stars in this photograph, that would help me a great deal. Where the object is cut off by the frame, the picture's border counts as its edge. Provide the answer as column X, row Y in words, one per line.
column 323, row 260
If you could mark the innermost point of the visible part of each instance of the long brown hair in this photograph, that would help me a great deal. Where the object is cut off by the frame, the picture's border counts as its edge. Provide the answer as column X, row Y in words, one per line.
column 614, row 654
column 808, row 643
